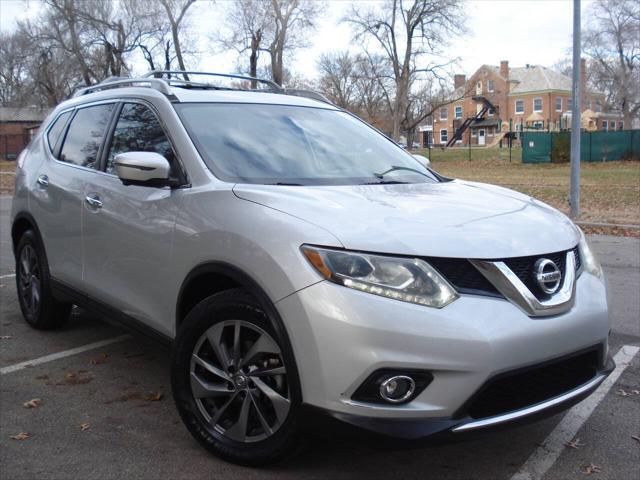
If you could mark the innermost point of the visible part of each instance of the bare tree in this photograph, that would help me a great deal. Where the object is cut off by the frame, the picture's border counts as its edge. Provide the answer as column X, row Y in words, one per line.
column 411, row 34
column 612, row 40
column 338, row 78
column 292, row 22
column 176, row 11
column 249, row 27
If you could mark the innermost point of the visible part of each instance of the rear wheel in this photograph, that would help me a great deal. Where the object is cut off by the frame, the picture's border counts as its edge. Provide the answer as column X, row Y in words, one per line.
column 234, row 382
column 39, row 308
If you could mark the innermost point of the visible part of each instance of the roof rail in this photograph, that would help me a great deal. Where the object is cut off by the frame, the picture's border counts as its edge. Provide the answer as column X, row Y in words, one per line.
column 159, row 74
column 156, row 84
column 312, row 94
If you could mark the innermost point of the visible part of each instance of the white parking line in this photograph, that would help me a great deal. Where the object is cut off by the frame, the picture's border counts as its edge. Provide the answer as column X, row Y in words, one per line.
column 543, row 458
column 11, row 275
column 63, row 354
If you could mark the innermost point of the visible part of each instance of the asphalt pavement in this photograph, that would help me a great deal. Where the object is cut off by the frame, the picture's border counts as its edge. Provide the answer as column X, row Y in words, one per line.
column 107, row 413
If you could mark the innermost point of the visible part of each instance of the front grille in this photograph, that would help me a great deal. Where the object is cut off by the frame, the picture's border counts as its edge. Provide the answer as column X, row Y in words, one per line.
column 525, row 387
column 523, row 268
column 464, row 276
column 460, row 273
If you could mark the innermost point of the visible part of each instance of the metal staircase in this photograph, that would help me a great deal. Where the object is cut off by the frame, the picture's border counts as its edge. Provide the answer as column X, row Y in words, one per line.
column 487, row 105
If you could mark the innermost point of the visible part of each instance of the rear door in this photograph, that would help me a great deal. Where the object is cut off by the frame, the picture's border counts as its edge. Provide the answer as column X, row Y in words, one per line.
column 128, row 238
column 72, row 148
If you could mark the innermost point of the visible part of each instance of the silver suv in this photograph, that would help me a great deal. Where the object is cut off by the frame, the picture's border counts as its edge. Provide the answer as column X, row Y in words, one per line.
column 294, row 256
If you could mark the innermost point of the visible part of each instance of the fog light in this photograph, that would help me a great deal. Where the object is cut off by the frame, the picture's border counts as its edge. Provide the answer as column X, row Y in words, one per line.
column 397, row 389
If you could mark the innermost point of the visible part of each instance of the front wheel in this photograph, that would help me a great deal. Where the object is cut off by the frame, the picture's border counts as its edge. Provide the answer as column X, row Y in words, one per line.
column 234, row 381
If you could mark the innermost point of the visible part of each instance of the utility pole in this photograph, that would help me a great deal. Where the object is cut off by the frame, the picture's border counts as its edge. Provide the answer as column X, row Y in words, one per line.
column 574, row 194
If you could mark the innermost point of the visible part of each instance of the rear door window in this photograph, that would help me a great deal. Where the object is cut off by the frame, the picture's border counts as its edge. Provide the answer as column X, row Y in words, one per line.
column 53, row 135
column 85, row 134
column 138, row 130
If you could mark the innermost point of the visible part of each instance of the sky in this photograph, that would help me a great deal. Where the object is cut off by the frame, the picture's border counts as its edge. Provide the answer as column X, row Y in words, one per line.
column 536, row 32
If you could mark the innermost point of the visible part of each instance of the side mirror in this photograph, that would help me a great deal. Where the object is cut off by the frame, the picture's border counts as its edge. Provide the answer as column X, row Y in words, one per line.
column 142, row 168
column 423, row 160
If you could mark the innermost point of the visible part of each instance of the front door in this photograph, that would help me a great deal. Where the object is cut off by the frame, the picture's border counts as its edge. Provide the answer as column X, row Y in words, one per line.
column 481, row 136
column 128, row 235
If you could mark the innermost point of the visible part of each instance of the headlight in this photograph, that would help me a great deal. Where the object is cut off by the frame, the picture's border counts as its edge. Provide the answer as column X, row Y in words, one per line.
column 589, row 261
column 406, row 279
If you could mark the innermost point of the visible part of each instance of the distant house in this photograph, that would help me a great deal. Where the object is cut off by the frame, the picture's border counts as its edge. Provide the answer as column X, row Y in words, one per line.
column 17, row 127
column 526, row 98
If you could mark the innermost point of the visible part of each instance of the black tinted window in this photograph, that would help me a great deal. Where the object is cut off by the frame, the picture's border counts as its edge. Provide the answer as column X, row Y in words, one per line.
column 85, row 135
column 138, row 130
column 56, row 129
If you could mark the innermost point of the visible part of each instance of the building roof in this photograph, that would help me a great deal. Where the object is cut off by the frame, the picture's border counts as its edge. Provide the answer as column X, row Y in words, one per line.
column 536, row 78
column 23, row 114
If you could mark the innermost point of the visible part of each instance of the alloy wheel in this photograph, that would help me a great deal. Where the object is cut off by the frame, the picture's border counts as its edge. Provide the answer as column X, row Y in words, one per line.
column 30, row 279
column 239, row 381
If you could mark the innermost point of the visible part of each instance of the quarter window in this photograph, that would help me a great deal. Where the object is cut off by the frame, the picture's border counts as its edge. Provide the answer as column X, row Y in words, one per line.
column 85, row 135
column 558, row 104
column 444, row 113
column 537, row 104
column 56, row 129
column 138, row 130
column 458, row 112
column 444, row 136
column 519, row 106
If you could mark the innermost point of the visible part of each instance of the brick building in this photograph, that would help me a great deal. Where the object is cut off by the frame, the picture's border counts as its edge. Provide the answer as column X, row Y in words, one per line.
column 530, row 97
column 17, row 127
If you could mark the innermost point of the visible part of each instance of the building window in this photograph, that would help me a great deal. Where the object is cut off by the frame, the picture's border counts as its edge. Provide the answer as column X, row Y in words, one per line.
column 491, row 112
column 620, row 125
column 612, row 125
column 537, row 104
column 538, row 125
column 444, row 113
column 458, row 111
column 491, row 86
column 520, row 106
column 598, row 107
column 444, row 136
column 605, row 125
column 569, row 104
column 478, row 87
column 588, row 104
column 474, row 132
column 558, row 104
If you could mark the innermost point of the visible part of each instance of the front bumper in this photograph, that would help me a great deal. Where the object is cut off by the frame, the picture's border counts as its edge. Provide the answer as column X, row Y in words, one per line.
column 340, row 336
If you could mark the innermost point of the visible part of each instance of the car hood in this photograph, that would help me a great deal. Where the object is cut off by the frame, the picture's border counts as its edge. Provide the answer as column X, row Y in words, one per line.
column 449, row 219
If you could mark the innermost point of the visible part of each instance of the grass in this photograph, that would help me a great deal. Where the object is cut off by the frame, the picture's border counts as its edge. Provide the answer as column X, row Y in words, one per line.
column 610, row 192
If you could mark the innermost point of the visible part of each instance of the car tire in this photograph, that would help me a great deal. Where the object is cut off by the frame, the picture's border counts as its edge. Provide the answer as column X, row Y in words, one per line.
column 247, row 411
column 33, row 284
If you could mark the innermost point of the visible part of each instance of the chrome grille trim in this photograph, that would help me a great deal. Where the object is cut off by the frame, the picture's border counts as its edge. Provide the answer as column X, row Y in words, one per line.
column 514, row 290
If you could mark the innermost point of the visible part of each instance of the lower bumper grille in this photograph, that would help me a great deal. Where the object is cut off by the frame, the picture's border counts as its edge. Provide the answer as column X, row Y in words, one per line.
column 515, row 390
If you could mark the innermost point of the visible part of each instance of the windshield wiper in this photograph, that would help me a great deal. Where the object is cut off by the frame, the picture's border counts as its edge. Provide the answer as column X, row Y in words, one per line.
column 385, row 182
column 396, row 168
column 286, row 184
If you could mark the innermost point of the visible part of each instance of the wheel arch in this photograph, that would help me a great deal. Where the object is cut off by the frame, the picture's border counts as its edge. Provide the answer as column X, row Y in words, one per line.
column 22, row 222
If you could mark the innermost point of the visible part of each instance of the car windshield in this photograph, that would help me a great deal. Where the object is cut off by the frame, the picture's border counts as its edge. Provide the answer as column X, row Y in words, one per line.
column 291, row 145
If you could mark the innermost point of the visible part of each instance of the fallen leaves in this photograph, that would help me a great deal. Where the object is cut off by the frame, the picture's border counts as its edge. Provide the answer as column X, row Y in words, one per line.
column 591, row 469
column 33, row 403
column 154, row 397
column 575, row 444
column 99, row 360
column 20, row 436
column 624, row 393
column 5, row 337
column 73, row 378
column 85, row 426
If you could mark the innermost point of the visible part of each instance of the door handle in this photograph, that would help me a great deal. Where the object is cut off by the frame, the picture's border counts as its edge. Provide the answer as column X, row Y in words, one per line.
column 43, row 181
column 93, row 201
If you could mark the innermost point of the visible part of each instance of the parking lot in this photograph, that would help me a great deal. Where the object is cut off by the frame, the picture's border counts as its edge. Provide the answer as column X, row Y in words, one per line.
column 105, row 409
